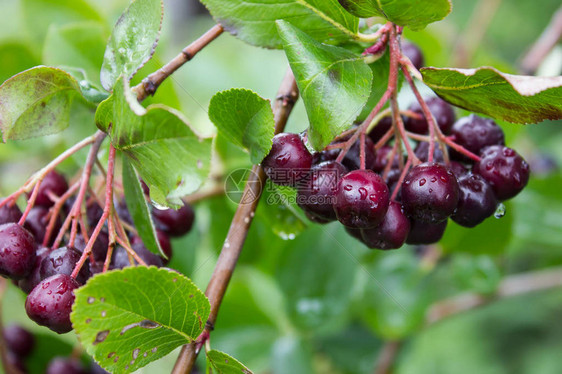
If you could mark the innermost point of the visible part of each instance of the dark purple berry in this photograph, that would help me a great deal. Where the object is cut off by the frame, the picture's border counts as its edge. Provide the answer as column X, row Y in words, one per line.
column 18, row 340
column 93, row 213
column 430, row 193
column 120, row 258
column 476, row 201
column 442, row 112
column 504, row 169
column 318, row 194
column 457, row 169
column 425, row 233
column 53, row 183
column 59, row 365
column 50, row 303
column 383, row 157
column 316, row 219
column 355, row 233
column 9, row 213
column 37, row 221
column 28, row 283
column 326, row 155
column 352, row 159
column 422, row 152
column 16, row 361
column 474, row 133
column 99, row 250
column 391, row 233
column 165, row 244
column 415, row 54
column 380, row 129
column 174, row 222
column 96, row 267
column 362, row 199
column 288, row 161
column 123, row 212
column 17, row 251
column 63, row 261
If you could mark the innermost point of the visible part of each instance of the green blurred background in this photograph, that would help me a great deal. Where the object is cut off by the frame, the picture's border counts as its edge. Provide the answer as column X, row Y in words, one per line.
column 308, row 298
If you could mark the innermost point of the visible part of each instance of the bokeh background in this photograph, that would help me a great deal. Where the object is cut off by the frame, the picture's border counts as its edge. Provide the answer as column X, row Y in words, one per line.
column 306, row 298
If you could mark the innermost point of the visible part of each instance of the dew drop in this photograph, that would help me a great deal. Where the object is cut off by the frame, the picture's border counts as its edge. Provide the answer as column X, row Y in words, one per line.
column 363, row 192
column 348, row 187
column 500, row 211
column 422, row 182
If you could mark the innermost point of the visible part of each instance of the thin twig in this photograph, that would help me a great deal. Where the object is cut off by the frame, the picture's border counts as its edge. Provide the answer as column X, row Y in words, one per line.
column 542, row 47
column 151, row 83
column 226, row 263
column 387, row 356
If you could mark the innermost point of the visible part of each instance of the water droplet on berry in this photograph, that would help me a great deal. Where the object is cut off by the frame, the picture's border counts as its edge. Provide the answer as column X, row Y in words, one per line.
column 363, row 192
column 422, row 181
column 348, row 187
column 500, row 211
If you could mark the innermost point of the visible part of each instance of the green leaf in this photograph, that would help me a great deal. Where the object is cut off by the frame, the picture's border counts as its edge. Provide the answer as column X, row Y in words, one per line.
column 512, row 98
column 254, row 21
column 245, row 119
column 128, row 318
column 224, row 364
column 415, row 14
column 39, row 15
column 281, row 212
column 334, row 83
column 36, row 102
column 133, row 41
column 140, row 212
column 79, row 45
column 171, row 158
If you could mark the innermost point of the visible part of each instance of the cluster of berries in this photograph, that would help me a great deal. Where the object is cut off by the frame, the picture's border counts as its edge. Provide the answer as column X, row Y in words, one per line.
column 20, row 343
column 414, row 207
column 45, row 272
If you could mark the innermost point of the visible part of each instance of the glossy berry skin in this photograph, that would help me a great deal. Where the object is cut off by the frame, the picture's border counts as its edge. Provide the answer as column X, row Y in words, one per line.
column 59, row 365
column 318, row 194
column 288, row 161
column 314, row 218
column 415, row 54
column 50, row 303
column 458, row 169
column 52, row 183
column 425, row 233
column 18, row 340
column 120, row 258
column 442, row 111
column 99, row 250
column 9, row 213
column 422, row 152
column 16, row 361
column 474, row 133
column 476, row 201
column 174, row 222
column 380, row 129
column 383, row 157
column 28, row 283
column 164, row 242
column 362, row 199
column 391, row 233
column 37, row 221
column 63, row 261
column 504, row 169
column 17, row 251
column 430, row 193
column 355, row 233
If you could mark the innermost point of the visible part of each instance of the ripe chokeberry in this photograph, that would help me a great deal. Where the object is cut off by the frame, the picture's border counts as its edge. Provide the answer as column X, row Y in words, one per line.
column 17, row 251
column 425, row 233
column 352, row 159
column 9, row 213
column 474, row 133
column 53, row 183
column 442, row 112
column 391, row 233
column 504, row 169
column 362, row 199
column 99, row 249
column 50, row 302
column 59, row 365
column 174, row 222
column 422, row 152
column 430, row 193
column 288, row 161
column 28, row 283
column 476, row 201
column 18, row 340
column 414, row 53
column 37, row 221
column 383, row 157
column 380, row 129
column 318, row 194
column 63, row 261
column 120, row 258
